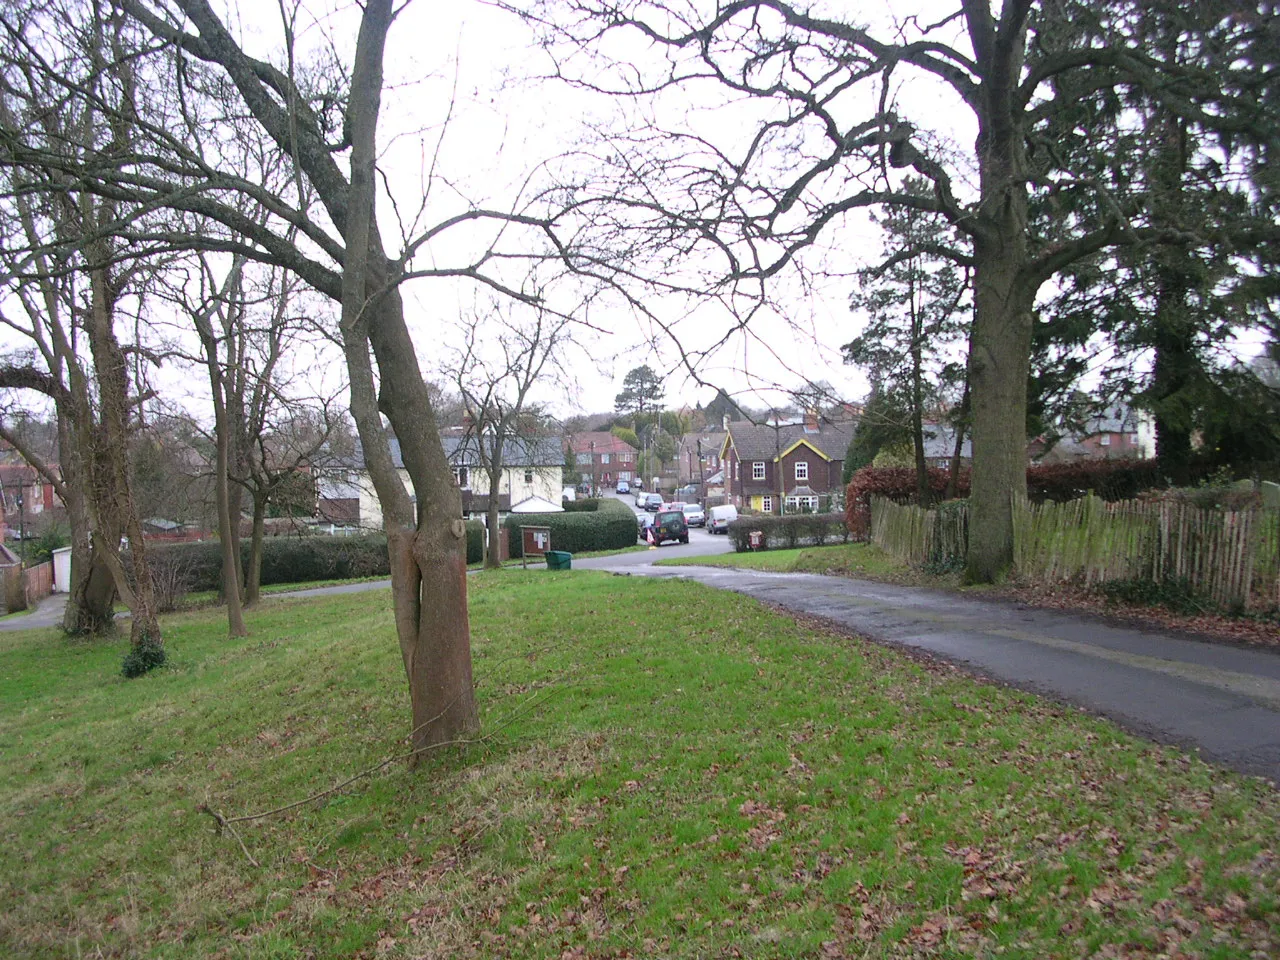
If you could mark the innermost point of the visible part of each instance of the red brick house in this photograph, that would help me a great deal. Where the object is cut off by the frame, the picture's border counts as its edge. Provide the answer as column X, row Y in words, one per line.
column 602, row 459
column 784, row 468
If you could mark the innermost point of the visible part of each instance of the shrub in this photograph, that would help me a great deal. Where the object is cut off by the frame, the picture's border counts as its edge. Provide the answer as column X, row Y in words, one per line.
column 143, row 658
column 611, row 526
column 1175, row 594
column 585, row 505
column 788, row 531
column 284, row 559
column 170, row 579
column 475, row 541
column 1116, row 479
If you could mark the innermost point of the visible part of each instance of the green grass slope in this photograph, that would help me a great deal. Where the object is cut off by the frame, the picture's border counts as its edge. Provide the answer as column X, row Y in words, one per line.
column 669, row 772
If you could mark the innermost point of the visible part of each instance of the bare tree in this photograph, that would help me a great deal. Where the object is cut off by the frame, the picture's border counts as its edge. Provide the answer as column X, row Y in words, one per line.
column 504, row 353
column 834, row 139
column 66, row 278
column 322, row 122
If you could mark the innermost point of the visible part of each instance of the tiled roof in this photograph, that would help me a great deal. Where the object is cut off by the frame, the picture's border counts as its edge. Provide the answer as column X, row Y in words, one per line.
column 764, row 442
column 462, row 451
column 604, row 443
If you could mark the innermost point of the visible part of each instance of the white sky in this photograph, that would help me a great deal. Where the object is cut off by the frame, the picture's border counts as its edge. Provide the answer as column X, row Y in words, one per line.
column 462, row 71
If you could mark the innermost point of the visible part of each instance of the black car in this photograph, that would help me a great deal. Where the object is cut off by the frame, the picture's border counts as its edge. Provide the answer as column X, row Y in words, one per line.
column 670, row 525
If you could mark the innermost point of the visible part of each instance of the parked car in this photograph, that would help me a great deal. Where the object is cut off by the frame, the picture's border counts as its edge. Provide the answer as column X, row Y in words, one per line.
column 653, row 502
column 670, row 525
column 641, row 498
column 643, row 522
column 693, row 515
column 622, row 487
column 719, row 518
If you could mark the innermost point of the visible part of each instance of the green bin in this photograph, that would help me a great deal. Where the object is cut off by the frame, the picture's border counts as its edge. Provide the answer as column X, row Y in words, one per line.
column 559, row 560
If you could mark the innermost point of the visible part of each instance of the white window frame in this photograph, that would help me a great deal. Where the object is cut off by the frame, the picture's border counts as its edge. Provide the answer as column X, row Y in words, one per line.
column 461, row 478
column 1105, row 440
column 757, row 469
column 604, row 458
column 737, row 469
column 528, row 475
column 802, row 470
column 766, row 504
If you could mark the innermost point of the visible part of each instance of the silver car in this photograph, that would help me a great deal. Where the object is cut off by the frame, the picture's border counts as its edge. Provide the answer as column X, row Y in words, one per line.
column 693, row 515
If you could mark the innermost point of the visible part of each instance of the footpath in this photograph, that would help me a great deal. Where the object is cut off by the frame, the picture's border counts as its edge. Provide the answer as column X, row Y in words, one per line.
column 1220, row 700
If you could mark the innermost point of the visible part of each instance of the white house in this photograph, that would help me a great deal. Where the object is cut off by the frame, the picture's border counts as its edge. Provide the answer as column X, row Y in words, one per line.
column 532, row 467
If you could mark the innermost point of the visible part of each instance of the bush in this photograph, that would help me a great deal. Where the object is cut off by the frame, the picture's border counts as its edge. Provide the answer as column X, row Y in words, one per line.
column 170, row 579
column 1175, row 594
column 475, row 541
column 143, row 658
column 585, row 505
column 284, row 559
column 611, row 526
column 1112, row 480
column 788, row 531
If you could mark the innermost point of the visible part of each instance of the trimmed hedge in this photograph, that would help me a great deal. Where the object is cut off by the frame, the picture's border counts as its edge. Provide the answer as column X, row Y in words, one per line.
column 801, row 529
column 295, row 559
column 585, row 505
column 1111, row 480
column 611, row 526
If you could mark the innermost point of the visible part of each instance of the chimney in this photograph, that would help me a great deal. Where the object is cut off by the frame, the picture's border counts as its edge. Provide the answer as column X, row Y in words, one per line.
column 811, row 420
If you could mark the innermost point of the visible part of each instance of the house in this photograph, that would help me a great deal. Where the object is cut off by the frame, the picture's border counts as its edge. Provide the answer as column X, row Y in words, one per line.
column 532, row 467
column 603, row 459
column 1115, row 432
column 801, row 463
column 697, row 459
column 940, row 445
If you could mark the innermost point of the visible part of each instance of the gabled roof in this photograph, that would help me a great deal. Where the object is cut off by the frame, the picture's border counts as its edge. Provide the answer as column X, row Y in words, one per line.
column 516, row 451
column 763, row 442
column 604, row 441
column 464, row 452
column 1116, row 418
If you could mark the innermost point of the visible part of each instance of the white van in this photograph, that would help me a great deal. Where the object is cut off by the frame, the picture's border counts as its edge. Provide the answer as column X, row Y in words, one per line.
column 719, row 518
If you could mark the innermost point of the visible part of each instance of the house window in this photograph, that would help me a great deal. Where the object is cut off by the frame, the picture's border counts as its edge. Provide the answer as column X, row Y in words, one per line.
column 802, row 470
column 528, row 476
column 460, row 477
column 624, row 458
column 766, row 504
column 802, row 504
column 1105, row 440
column 757, row 470
column 604, row 458
column 736, row 470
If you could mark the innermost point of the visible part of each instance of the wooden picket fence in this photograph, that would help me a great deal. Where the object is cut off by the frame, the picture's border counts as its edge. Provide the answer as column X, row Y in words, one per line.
column 920, row 536
column 1231, row 556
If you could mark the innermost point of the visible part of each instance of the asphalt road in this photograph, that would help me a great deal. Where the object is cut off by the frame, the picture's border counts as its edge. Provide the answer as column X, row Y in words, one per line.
column 1220, row 700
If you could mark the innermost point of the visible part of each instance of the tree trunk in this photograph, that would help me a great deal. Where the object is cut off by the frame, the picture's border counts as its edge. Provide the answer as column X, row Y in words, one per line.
column 253, row 572
column 923, row 493
column 493, row 550
column 428, row 557
column 228, row 526
column 116, row 511
column 1000, row 344
column 953, row 478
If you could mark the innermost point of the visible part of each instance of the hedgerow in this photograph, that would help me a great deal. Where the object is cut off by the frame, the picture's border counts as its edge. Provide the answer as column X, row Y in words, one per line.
column 610, row 527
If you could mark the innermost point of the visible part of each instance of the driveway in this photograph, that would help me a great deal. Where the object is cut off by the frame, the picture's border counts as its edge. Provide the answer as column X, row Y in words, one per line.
column 1222, row 701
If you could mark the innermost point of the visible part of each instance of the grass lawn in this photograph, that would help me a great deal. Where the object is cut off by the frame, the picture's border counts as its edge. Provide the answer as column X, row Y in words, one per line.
column 672, row 772
column 848, row 559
